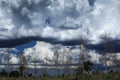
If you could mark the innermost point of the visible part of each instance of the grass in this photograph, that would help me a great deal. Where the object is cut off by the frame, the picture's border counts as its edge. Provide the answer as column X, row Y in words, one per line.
column 81, row 77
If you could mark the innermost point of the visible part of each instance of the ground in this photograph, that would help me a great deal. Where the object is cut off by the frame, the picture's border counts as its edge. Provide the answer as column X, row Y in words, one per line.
column 115, row 76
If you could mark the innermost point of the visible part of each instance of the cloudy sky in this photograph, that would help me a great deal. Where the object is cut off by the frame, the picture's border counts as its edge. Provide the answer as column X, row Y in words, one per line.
column 23, row 22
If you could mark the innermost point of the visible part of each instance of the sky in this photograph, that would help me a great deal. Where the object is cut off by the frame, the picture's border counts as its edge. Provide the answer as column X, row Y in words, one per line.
column 25, row 24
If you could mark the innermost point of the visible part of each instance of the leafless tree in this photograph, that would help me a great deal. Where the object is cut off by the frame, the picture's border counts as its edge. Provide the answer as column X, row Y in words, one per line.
column 46, row 62
column 108, row 48
column 46, row 68
column 62, row 58
column 56, row 59
column 68, row 61
column 83, row 53
column 115, row 62
column 22, row 64
column 7, row 57
column 35, row 67
column 35, row 61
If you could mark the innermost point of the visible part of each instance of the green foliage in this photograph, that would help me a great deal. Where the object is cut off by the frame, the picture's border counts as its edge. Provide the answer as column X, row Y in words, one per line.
column 88, row 65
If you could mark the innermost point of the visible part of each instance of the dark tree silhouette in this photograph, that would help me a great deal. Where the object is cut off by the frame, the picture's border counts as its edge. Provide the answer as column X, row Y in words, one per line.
column 88, row 66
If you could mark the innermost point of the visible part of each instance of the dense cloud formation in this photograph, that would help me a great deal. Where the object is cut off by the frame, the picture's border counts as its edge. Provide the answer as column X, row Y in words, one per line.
column 59, row 19
column 40, row 51
column 44, row 50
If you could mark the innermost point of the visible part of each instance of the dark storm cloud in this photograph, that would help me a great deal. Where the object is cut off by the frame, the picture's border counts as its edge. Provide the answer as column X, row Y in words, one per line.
column 114, row 44
column 25, row 40
column 21, row 41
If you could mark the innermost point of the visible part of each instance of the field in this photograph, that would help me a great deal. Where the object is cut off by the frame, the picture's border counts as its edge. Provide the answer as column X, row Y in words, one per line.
column 115, row 76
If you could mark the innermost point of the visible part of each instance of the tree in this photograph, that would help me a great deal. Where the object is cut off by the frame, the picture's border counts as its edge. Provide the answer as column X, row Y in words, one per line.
column 83, row 53
column 88, row 66
column 108, row 48
column 62, row 58
column 22, row 64
column 115, row 62
column 56, row 59
column 35, row 62
column 68, row 61
column 46, row 65
column 47, row 59
column 82, row 56
column 35, row 67
column 7, row 57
